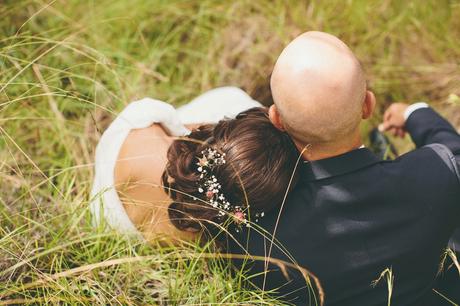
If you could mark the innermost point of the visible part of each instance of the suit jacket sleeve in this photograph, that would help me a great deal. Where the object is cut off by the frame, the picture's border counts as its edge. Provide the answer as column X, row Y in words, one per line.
column 428, row 128
column 425, row 126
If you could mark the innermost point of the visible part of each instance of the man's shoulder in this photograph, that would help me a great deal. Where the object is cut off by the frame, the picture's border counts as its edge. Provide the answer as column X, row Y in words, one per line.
column 430, row 155
column 420, row 167
column 432, row 164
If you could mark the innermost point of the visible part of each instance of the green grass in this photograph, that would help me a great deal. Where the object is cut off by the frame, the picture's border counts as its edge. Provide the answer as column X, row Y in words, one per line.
column 68, row 67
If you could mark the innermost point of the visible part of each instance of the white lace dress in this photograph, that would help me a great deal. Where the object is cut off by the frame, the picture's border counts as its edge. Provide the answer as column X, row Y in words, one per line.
column 210, row 107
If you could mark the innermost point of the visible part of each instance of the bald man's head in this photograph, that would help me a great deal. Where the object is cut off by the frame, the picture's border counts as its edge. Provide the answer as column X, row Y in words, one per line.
column 319, row 88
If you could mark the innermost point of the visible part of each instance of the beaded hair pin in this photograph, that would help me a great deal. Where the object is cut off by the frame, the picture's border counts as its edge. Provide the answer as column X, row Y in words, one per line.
column 211, row 188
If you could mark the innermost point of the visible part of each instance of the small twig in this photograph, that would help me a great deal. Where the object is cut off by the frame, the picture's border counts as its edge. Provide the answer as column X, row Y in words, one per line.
column 51, row 101
column 454, row 258
column 388, row 273
column 445, row 297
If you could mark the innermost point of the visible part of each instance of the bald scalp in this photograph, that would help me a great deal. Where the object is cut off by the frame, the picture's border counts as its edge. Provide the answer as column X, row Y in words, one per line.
column 319, row 88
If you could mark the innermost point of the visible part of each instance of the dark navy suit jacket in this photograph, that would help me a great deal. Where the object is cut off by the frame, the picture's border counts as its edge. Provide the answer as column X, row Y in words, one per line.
column 352, row 216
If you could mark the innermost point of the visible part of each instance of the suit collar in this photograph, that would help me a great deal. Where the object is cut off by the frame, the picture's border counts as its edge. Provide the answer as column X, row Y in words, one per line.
column 338, row 165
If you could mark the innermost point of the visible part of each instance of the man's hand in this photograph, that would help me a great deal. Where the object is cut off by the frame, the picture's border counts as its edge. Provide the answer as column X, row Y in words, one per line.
column 393, row 119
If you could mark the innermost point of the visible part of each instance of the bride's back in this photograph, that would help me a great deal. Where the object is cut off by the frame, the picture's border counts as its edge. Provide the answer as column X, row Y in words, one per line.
column 138, row 171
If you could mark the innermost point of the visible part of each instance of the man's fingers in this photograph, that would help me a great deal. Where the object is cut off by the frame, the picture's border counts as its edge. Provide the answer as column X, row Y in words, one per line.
column 390, row 129
column 398, row 132
column 393, row 129
column 385, row 126
column 403, row 132
column 387, row 114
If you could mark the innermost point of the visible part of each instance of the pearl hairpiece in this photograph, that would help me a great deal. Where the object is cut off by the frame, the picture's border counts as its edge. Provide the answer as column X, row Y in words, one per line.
column 208, row 184
column 211, row 188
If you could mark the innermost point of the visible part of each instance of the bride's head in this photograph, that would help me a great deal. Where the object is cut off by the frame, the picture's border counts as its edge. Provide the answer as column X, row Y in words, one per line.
column 235, row 169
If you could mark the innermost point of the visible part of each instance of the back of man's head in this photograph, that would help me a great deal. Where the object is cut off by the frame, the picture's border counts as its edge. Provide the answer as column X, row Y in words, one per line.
column 319, row 89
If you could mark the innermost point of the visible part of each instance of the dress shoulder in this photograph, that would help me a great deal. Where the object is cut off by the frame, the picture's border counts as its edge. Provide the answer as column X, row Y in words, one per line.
column 139, row 114
column 143, row 113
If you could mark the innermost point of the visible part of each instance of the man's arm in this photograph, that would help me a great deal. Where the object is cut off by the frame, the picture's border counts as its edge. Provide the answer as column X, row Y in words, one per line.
column 424, row 125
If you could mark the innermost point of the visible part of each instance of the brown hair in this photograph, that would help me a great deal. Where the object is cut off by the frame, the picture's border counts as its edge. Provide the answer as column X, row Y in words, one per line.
column 260, row 160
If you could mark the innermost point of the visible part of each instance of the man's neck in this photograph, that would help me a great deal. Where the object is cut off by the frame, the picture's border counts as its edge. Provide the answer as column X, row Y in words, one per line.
column 313, row 152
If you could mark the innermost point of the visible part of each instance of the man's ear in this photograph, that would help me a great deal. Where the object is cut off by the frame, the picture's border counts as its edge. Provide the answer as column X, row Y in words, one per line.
column 369, row 105
column 275, row 118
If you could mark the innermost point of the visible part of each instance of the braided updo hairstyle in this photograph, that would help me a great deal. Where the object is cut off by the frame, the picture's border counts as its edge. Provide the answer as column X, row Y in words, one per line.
column 260, row 161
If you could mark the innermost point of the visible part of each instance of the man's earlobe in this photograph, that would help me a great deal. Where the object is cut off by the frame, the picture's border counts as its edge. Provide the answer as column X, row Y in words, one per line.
column 368, row 105
column 275, row 118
